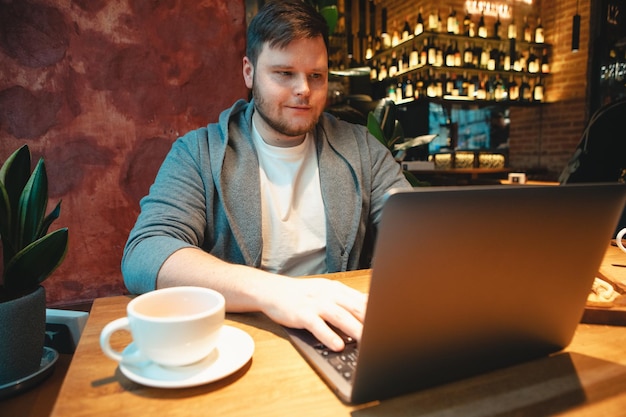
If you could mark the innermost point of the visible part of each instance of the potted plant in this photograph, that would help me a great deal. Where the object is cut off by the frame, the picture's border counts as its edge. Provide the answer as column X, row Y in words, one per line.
column 29, row 255
column 383, row 124
column 328, row 9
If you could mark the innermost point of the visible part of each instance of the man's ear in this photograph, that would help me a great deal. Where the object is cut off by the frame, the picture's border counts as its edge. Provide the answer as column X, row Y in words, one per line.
column 248, row 71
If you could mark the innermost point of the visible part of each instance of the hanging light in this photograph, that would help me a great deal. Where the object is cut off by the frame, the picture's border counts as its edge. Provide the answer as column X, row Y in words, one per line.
column 576, row 30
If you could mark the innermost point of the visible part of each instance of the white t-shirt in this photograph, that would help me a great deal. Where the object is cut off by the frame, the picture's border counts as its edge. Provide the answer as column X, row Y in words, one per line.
column 293, row 217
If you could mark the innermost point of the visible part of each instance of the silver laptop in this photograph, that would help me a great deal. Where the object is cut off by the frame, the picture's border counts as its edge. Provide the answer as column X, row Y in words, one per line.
column 470, row 279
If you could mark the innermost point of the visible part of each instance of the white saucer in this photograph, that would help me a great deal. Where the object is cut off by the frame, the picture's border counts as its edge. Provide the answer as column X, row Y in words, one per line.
column 233, row 351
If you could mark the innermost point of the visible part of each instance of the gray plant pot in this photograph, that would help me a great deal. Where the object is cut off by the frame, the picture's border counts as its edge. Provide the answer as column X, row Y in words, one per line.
column 22, row 335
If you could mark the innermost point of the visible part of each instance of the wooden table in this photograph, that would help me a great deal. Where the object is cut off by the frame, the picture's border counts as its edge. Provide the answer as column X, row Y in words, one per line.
column 589, row 378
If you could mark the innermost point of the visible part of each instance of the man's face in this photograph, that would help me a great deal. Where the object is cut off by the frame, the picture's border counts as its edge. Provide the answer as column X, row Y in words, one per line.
column 289, row 87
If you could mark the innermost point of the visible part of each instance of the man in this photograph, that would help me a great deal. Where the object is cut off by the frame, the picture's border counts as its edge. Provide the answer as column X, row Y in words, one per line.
column 276, row 189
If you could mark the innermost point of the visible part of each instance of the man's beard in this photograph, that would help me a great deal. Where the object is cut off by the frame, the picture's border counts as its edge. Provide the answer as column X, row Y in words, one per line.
column 281, row 126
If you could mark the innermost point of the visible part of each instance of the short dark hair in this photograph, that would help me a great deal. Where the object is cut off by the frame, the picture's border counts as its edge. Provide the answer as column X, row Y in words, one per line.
column 279, row 22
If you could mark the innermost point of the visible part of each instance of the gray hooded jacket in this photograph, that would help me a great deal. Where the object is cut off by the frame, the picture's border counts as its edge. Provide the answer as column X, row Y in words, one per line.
column 207, row 195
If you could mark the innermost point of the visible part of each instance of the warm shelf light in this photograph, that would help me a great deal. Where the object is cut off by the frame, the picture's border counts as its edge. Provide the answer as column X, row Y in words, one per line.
column 488, row 8
column 493, row 8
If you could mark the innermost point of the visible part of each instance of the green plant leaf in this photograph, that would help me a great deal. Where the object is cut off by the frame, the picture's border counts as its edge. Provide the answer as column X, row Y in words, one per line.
column 331, row 15
column 33, row 264
column 385, row 112
column 33, row 204
column 398, row 132
column 51, row 217
column 373, row 126
column 5, row 214
column 14, row 174
column 396, row 137
column 16, row 169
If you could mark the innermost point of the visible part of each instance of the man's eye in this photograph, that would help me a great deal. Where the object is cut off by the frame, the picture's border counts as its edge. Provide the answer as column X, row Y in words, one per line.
column 284, row 73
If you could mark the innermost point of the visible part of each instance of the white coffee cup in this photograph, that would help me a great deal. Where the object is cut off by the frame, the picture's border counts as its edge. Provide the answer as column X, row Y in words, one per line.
column 172, row 327
column 619, row 237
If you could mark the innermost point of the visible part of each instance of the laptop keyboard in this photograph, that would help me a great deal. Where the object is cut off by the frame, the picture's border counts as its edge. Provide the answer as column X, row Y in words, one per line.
column 344, row 362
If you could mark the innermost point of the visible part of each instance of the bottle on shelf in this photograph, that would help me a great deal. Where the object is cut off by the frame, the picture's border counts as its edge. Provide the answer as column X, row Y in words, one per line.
column 414, row 56
column 523, row 62
column 374, row 71
column 440, row 27
column 467, row 21
column 469, row 87
column 539, row 32
column 432, row 52
column 408, row 90
column 482, row 29
column 405, row 60
column 449, row 56
column 424, row 53
column 493, row 60
column 517, row 62
column 513, row 90
column 477, row 53
column 526, row 31
column 532, row 63
column 452, row 23
column 378, row 43
column 432, row 21
column 496, row 27
column 369, row 51
column 481, row 91
column 512, row 53
column 450, row 85
column 525, row 91
column 439, row 86
column 431, row 86
column 485, row 53
column 399, row 91
column 406, row 30
column 468, row 56
column 499, row 90
column 464, row 88
column 384, row 35
column 489, row 87
column 545, row 62
column 506, row 60
column 419, row 24
column 458, row 60
column 395, row 37
column 512, row 29
column 439, row 61
column 391, row 92
column 418, row 87
column 393, row 68
column 382, row 71
column 461, row 85
column 538, row 91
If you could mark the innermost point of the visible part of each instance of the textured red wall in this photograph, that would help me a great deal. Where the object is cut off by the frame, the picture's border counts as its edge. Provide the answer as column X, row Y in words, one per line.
column 101, row 89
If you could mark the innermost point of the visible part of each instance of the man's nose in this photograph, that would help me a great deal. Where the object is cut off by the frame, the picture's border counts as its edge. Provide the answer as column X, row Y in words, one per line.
column 302, row 87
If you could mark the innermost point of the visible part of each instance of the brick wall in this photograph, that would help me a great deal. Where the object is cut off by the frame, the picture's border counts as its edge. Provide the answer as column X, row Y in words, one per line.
column 542, row 138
